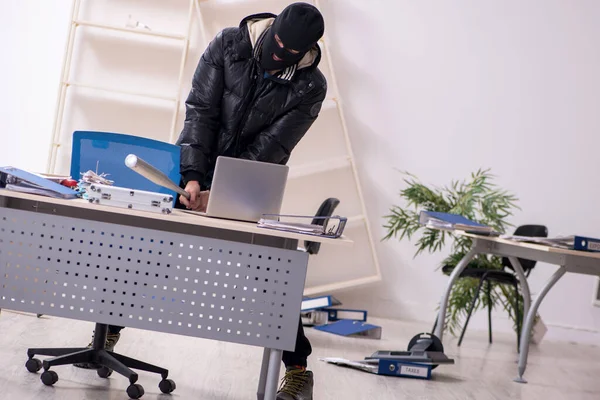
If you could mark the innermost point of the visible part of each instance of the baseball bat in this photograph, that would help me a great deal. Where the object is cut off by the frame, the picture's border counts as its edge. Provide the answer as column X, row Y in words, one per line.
column 151, row 173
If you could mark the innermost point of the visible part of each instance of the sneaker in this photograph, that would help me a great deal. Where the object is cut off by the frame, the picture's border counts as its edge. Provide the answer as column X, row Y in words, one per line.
column 297, row 384
column 111, row 341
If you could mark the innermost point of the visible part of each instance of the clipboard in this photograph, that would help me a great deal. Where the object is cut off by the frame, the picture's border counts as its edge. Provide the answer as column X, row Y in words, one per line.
column 272, row 221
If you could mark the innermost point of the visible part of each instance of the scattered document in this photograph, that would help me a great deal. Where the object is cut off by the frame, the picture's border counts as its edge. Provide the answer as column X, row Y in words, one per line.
column 367, row 366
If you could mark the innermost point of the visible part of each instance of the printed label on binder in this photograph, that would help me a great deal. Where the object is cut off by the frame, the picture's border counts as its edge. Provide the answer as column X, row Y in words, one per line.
column 413, row 371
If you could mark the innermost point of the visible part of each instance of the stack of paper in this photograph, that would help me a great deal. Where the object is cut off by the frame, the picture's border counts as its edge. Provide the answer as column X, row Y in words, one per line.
column 562, row 242
column 291, row 226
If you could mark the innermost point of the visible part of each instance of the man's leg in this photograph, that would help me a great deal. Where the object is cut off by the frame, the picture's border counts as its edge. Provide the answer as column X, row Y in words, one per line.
column 115, row 330
column 113, row 336
column 297, row 382
column 298, row 358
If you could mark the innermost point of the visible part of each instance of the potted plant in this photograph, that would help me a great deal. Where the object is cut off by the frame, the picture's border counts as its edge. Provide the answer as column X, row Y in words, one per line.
column 478, row 199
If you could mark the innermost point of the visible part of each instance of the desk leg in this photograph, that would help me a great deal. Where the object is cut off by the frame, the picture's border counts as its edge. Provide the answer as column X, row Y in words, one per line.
column 264, row 368
column 439, row 329
column 524, row 284
column 273, row 374
column 526, row 332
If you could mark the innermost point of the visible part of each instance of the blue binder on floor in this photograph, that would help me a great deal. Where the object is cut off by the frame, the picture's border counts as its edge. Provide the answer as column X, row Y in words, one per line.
column 385, row 367
column 351, row 328
column 336, row 314
column 317, row 303
column 404, row 369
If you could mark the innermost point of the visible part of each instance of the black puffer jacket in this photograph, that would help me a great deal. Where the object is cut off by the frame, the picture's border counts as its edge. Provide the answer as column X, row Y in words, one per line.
column 234, row 110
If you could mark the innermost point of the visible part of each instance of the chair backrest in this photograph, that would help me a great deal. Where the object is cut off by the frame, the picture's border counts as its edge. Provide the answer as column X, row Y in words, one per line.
column 325, row 210
column 531, row 231
column 107, row 151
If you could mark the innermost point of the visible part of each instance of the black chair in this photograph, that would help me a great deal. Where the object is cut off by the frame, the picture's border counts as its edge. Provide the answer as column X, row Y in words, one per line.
column 325, row 210
column 107, row 361
column 507, row 276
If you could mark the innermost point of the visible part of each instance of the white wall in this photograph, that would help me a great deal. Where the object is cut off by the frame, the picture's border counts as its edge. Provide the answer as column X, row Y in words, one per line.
column 33, row 35
column 436, row 88
column 443, row 88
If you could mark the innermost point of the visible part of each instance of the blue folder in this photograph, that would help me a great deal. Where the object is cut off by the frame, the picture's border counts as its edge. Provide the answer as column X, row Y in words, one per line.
column 346, row 327
column 43, row 185
column 453, row 219
column 583, row 243
column 404, row 369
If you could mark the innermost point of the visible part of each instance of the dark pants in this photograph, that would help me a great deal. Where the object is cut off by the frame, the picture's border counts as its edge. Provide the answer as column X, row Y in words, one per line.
column 296, row 358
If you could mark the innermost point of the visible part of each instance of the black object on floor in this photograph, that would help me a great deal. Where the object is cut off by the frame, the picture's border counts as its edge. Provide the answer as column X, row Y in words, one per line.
column 424, row 348
column 107, row 361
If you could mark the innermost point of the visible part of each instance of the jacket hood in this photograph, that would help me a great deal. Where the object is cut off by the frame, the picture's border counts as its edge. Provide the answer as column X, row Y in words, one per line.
column 258, row 23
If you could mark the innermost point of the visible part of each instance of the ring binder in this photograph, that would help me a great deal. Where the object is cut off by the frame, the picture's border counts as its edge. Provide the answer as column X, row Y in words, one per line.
column 308, row 229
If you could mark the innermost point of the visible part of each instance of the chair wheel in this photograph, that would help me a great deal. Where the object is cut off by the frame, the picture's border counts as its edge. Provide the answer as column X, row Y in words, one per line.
column 104, row 372
column 49, row 378
column 33, row 365
column 135, row 391
column 167, row 386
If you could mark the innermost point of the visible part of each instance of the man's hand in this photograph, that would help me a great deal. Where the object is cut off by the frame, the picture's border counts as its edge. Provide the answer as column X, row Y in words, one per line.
column 193, row 188
column 203, row 200
column 198, row 199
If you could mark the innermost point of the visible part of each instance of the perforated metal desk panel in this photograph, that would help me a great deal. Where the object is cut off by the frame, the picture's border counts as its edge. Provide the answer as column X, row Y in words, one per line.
column 93, row 264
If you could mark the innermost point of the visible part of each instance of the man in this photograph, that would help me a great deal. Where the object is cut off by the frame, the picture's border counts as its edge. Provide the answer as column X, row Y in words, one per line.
column 255, row 93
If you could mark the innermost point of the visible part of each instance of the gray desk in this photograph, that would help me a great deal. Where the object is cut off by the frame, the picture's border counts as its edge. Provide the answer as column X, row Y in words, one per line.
column 177, row 273
column 577, row 262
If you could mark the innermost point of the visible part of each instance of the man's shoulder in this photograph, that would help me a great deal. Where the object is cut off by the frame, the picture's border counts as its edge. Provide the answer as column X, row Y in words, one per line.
column 315, row 76
column 229, row 33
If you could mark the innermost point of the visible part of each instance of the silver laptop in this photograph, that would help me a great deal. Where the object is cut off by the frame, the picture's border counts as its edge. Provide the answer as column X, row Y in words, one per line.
column 244, row 190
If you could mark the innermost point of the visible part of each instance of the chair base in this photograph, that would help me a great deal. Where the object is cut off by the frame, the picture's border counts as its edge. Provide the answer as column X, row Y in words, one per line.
column 107, row 362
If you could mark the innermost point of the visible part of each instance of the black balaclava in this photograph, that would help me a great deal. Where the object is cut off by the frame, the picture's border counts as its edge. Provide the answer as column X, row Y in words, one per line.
column 299, row 27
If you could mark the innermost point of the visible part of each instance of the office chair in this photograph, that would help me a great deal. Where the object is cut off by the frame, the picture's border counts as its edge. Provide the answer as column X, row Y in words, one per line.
column 502, row 277
column 326, row 209
column 106, row 152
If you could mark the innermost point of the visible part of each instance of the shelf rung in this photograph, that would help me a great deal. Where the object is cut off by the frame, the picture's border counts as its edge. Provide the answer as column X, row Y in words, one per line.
column 299, row 171
column 119, row 91
column 329, row 104
column 129, row 30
